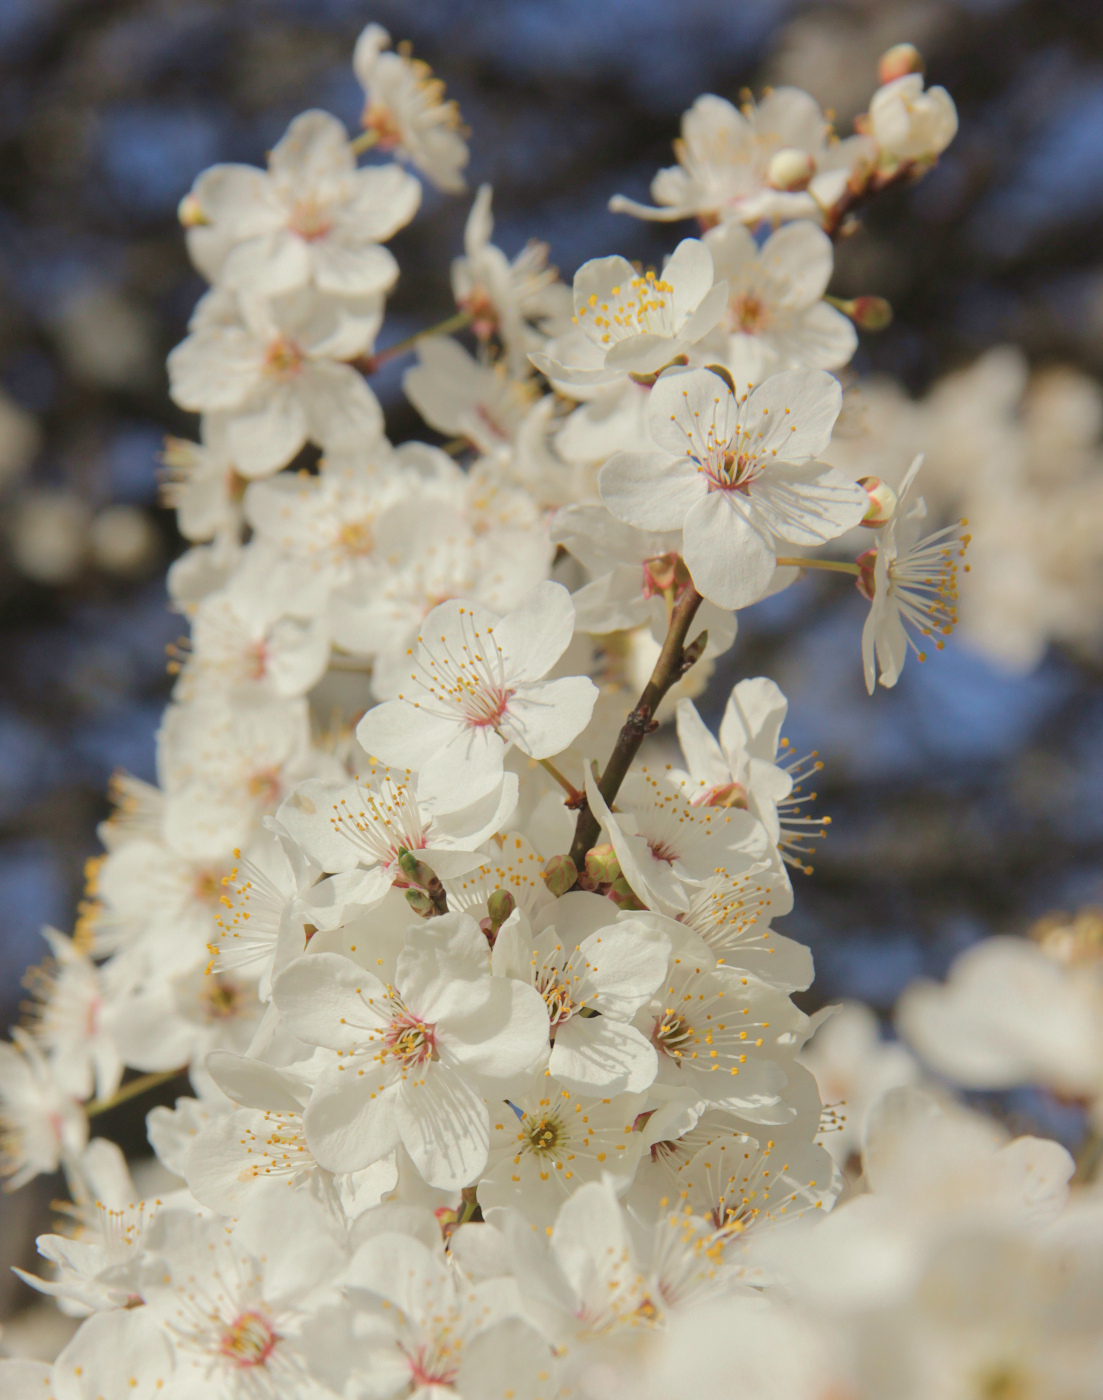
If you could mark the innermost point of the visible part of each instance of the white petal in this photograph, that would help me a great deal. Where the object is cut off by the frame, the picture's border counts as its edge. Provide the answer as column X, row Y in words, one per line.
column 350, row 1121
column 651, row 490
column 444, row 1127
column 730, row 560
column 594, row 1055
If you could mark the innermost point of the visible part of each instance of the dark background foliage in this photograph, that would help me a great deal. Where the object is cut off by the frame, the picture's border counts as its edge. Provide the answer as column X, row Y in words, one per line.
column 965, row 802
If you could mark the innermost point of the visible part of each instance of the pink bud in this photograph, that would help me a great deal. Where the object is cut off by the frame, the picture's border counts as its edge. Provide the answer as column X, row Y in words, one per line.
column 895, row 62
column 790, row 169
column 870, row 313
column 190, row 212
column 882, row 502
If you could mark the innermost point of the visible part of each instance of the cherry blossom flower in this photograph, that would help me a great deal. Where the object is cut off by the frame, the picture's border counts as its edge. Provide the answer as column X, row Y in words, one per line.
column 272, row 366
column 547, row 1142
column 476, row 689
column 311, row 217
column 738, row 165
column 910, row 582
column 666, row 846
column 234, row 1303
column 630, row 322
column 408, row 1054
column 406, row 110
column 458, row 395
column 736, row 477
column 775, row 299
column 909, row 123
column 510, row 299
column 594, row 975
column 740, row 768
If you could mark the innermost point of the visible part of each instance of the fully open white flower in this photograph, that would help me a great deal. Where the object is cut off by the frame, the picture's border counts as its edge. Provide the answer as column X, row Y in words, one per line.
column 202, row 482
column 630, row 322
column 667, row 847
column 910, row 582
column 726, row 169
column 547, row 1142
column 417, row 1328
column 311, row 217
column 776, row 310
column 718, row 1033
column 910, row 123
column 406, row 110
column 741, row 770
column 272, row 366
column 476, row 689
column 409, row 1055
column 234, row 1303
column 594, row 975
column 736, row 477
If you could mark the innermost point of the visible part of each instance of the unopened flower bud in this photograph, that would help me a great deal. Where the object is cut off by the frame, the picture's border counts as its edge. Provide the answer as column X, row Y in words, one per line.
column 870, row 313
column 624, row 896
column 408, row 864
column 790, row 169
column 602, row 865
column 190, row 212
column 420, row 903
column 560, row 875
column 882, row 501
column 900, row 59
column 500, row 906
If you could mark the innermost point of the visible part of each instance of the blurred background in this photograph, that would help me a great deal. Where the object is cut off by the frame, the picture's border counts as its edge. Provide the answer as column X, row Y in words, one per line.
column 967, row 801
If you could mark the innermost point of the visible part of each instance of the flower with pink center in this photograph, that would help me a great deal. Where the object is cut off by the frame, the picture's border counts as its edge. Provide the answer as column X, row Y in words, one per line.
column 311, row 218
column 736, row 476
column 476, row 689
column 423, row 1330
column 668, row 848
column 234, row 1302
column 410, row 1056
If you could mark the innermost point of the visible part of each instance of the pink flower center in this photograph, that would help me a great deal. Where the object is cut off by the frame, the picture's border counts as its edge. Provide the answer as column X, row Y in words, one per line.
column 410, row 1040
column 426, row 1369
column 661, row 850
column 249, row 1341
column 749, row 313
column 309, row 220
column 283, row 359
column 723, row 795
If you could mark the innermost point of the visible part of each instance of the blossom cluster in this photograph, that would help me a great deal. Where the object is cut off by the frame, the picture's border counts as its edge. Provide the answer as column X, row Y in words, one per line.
column 499, row 1086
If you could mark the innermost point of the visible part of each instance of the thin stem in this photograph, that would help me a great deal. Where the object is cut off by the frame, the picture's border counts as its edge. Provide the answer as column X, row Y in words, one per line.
column 454, row 446
column 1089, row 1159
column 565, row 783
column 364, row 142
column 674, row 661
column 370, row 363
column 132, row 1090
column 832, row 565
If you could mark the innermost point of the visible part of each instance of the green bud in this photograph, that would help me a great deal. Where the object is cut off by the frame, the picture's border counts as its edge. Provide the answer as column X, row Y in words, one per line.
column 602, row 865
column 624, row 896
column 420, row 903
column 560, row 875
column 500, row 906
column 408, row 864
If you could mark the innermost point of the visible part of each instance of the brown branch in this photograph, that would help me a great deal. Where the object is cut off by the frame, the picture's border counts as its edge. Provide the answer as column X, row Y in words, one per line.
column 674, row 661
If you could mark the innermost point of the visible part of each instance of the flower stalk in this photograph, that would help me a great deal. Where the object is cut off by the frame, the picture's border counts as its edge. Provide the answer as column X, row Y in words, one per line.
column 674, row 661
